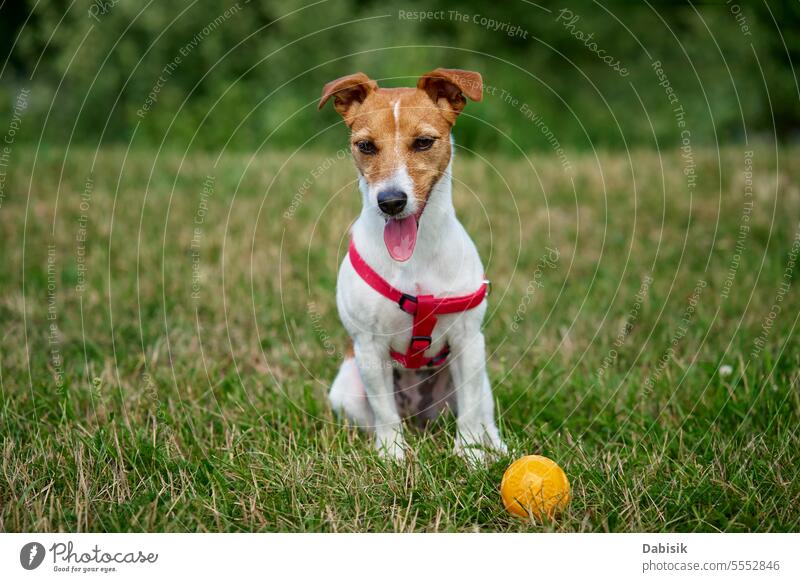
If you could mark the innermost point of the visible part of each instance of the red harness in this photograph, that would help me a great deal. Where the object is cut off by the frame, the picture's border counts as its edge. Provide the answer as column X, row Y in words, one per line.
column 424, row 308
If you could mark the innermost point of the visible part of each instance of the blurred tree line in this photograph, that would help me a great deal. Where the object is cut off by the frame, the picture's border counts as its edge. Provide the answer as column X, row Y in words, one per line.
column 248, row 74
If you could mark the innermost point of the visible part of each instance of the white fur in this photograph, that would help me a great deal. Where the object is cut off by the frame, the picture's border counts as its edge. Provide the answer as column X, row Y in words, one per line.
column 445, row 263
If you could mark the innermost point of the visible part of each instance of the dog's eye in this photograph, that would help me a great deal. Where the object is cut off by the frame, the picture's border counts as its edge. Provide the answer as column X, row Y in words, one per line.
column 366, row 147
column 423, row 143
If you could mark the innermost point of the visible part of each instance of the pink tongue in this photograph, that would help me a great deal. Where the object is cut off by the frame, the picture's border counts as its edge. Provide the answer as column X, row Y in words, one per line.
column 400, row 237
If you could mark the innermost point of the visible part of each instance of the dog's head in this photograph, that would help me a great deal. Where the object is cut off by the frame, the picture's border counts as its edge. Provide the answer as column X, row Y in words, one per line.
column 400, row 139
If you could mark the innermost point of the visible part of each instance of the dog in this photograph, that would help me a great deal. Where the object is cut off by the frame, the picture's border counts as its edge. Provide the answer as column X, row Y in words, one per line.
column 411, row 290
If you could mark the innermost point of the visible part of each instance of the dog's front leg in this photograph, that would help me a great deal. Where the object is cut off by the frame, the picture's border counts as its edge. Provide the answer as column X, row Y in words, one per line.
column 475, row 424
column 376, row 373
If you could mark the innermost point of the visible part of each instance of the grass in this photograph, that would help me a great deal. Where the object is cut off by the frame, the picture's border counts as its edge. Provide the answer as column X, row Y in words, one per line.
column 127, row 404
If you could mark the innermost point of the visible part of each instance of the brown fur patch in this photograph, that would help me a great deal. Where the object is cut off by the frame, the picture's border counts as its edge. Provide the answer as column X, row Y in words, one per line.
column 422, row 395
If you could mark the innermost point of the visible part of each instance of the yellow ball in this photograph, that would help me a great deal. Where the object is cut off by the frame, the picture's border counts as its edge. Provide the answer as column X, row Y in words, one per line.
column 534, row 484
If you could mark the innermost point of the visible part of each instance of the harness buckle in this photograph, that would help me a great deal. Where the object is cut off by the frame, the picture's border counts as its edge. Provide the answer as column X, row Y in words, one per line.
column 488, row 287
column 402, row 302
column 439, row 358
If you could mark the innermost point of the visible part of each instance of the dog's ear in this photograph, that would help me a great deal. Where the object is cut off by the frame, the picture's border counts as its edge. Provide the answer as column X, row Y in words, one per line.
column 348, row 93
column 449, row 87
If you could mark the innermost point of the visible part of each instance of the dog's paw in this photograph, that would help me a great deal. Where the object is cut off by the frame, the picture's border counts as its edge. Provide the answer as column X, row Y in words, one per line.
column 479, row 446
column 497, row 446
column 392, row 448
column 473, row 453
column 392, row 453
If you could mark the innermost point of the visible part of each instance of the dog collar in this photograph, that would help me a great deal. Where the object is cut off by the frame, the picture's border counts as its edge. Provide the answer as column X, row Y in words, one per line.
column 423, row 308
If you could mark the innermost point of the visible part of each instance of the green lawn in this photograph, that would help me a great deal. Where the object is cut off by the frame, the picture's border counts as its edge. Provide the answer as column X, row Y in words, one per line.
column 165, row 351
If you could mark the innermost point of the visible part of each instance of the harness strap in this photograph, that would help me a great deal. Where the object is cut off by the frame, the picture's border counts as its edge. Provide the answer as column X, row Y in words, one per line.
column 424, row 309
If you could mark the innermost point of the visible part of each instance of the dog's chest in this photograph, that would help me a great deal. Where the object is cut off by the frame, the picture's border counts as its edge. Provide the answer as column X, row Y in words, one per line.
column 364, row 311
column 445, row 265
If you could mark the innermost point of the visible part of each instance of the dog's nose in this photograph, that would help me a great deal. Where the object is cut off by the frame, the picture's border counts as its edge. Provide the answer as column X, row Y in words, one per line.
column 392, row 201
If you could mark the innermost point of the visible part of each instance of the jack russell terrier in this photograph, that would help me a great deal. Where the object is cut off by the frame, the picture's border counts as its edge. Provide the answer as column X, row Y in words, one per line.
column 411, row 288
